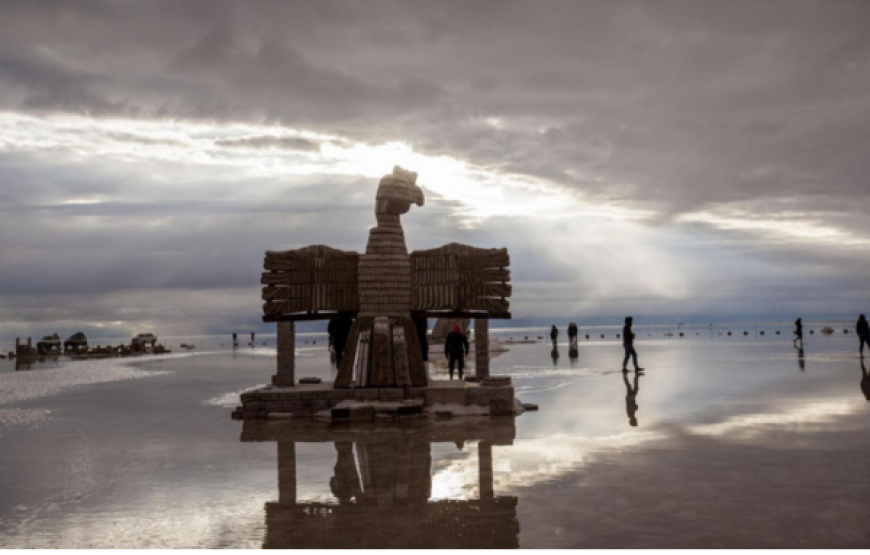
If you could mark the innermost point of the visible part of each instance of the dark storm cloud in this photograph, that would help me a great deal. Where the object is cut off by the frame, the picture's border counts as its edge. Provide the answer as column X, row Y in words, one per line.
column 749, row 108
column 287, row 143
column 675, row 105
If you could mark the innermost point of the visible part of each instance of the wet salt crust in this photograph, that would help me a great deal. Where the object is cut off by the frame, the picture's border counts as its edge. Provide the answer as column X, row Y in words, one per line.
column 738, row 443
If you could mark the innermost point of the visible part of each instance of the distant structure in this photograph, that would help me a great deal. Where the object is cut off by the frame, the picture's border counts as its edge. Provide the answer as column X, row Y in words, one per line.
column 384, row 289
column 77, row 342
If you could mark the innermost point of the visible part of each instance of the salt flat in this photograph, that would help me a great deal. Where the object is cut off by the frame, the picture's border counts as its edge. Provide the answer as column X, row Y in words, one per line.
column 738, row 442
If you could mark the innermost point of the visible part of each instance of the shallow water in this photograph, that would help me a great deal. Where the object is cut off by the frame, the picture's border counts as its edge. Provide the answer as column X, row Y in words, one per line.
column 738, row 442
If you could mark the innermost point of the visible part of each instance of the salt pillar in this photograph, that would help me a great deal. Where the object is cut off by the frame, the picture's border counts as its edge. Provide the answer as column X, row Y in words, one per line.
column 481, row 348
column 484, row 467
column 286, row 472
column 286, row 355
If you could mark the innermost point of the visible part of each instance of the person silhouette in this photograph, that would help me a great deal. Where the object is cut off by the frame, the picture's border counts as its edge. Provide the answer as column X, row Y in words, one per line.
column 799, row 332
column 863, row 332
column 631, row 397
column 572, row 353
column 628, row 345
column 235, row 340
column 572, row 334
column 801, row 362
column 339, row 332
column 554, row 335
column 554, row 354
column 456, row 349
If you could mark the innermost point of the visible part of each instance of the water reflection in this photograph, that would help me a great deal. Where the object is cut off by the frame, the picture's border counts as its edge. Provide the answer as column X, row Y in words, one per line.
column 631, row 397
column 865, row 381
column 554, row 354
column 382, row 484
column 801, row 360
column 573, row 354
column 23, row 364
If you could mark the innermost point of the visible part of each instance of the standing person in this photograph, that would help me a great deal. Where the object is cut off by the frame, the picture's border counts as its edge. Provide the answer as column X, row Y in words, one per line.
column 339, row 331
column 799, row 331
column 252, row 339
column 235, row 340
column 628, row 345
column 863, row 331
column 456, row 349
column 572, row 334
column 554, row 335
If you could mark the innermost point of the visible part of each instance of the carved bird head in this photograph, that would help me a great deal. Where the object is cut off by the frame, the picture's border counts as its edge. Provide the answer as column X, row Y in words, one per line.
column 397, row 192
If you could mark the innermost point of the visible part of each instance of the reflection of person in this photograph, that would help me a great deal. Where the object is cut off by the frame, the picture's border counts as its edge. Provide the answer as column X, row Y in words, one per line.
column 628, row 345
column 863, row 331
column 572, row 353
column 554, row 354
column 865, row 382
column 456, row 349
column 345, row 484
column 801, row 363
column 235, row 340
column 253, row 335
column 572, row 333
column 631, row 398
column 799, row 331
column 554, row 335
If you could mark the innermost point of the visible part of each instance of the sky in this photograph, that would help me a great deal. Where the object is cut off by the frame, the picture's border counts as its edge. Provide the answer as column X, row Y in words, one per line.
column 692, row 161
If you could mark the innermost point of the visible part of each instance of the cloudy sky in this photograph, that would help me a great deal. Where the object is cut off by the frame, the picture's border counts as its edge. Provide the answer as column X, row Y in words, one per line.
column 692, row 161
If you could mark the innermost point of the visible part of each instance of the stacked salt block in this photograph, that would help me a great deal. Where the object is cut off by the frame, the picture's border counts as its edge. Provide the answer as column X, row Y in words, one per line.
column 461, row 277
column 481, row 348
column 286, row 355
column 309, row 279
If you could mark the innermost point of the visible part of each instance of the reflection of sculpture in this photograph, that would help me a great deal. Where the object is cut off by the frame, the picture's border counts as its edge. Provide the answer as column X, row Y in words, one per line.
column 383, row 483
column 384, row 288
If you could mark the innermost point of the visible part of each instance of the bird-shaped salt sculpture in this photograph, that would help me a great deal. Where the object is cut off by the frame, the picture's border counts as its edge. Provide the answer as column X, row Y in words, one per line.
column 384, row 287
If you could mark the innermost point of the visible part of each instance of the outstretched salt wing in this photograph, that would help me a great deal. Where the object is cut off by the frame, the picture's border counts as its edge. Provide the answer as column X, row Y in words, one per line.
column 460, row 278
column 311, row 279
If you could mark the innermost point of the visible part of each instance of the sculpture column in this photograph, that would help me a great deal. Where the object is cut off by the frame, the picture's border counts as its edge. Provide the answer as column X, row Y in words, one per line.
column 286, row 473
column 481, row 348
column 286, row 355
column 484, row 468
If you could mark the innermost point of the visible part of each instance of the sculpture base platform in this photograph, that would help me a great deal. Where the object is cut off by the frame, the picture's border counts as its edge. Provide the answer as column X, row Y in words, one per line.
column 494, row 397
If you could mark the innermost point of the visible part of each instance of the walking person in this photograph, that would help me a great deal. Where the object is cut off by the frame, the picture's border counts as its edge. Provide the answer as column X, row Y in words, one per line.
column 628, row 345
column 572, row 334
column 799, row 332
column 863, row 331
column 456, row 349
column 554, row 335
